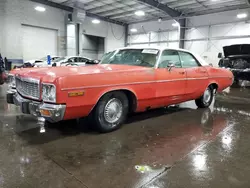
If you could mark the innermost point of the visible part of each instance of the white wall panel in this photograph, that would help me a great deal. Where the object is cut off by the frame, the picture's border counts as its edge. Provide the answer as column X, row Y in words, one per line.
column 234, row 29
column 38, row 42
column 173, row 45
column 154, row 36
column 139, row 45
column 153, row 26
column 197, row 33
column 115, row 37
column 173, row 35
column 199, row 47
column 18, row 12
column 164, row 36
column 141, row 38
column 159, row 31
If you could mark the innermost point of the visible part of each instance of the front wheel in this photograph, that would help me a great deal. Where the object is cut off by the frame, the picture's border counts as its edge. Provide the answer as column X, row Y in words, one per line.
column 110, row 112
column 206, row 99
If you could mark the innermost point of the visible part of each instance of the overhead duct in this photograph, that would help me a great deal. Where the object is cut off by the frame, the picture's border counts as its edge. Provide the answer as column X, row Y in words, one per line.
column 78, row 16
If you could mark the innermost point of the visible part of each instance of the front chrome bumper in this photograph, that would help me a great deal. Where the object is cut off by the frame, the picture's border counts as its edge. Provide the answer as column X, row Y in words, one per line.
column 51, row 112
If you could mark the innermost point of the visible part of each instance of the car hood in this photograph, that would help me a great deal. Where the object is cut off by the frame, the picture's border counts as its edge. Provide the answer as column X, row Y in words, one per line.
column 49, row 74
column 238, row 49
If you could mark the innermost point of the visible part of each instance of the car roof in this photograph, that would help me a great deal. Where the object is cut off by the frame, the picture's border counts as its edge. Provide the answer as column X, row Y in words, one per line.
column 67, row 57
column 198, row 57
column 157, row 48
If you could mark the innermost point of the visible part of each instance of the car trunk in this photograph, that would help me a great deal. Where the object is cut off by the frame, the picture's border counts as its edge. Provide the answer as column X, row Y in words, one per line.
column 235, row 50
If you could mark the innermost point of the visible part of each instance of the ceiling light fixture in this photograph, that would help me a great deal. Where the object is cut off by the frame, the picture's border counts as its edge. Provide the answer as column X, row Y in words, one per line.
column 133, row 30
column 96, row 21
column 242, row 15
column 40, row 9
column 140, row 13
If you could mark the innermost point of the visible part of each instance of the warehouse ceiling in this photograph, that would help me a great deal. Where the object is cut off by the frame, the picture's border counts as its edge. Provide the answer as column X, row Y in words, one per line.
column 124, row 10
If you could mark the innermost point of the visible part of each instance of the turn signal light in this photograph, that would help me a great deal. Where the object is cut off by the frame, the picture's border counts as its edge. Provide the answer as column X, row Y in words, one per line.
column 76, row 94
column 45, row 113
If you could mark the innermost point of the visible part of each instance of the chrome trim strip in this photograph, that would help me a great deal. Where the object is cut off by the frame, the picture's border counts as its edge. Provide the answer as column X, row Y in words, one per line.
column 134, row 83
column 146, row 82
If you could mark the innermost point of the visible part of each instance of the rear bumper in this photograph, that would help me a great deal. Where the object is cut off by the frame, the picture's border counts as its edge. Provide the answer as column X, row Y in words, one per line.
column 51, row 112
column 241, row 74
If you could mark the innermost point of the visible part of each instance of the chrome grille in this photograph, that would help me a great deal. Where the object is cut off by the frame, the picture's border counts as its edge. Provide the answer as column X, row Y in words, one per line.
column 28, row 87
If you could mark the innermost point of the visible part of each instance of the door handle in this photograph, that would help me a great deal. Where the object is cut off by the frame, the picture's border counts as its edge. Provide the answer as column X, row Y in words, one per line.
column 182, row 72
column 203, row 71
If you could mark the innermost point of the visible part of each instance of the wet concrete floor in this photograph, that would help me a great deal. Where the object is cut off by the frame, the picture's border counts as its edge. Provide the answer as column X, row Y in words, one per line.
column 174, row 147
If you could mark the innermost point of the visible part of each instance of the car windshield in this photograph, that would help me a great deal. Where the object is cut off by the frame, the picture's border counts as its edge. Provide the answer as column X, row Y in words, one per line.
column 136, row 57
column 43, row 59
column 60, row 59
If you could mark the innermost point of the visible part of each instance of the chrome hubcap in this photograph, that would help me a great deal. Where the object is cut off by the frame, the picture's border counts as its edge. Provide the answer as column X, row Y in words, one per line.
column 207, row 96
column 113, row 110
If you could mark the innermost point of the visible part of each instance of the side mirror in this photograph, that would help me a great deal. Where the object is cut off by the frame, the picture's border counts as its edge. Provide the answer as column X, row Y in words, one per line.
column 220, row 55
column 170, row 66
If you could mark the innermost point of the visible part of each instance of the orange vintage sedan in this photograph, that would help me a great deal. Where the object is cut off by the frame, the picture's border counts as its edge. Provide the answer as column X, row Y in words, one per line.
column 127, row 80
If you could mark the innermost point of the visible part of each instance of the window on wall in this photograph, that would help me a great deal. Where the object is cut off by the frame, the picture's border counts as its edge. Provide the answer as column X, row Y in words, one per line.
column 169, row 57
column 187, row 60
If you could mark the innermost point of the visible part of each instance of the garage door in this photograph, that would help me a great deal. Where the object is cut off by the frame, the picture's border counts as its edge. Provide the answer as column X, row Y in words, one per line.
column 38, row 42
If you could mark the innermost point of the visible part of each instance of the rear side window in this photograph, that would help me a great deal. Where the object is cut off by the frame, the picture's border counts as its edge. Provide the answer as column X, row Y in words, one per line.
column 169, row 57
column 187, row 60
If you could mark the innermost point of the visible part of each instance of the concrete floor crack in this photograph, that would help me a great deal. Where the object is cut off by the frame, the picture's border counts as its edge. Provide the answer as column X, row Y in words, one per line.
column 167, row 168
column 77, row 179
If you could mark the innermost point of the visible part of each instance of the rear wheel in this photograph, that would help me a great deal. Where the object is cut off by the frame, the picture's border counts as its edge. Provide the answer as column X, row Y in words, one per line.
column 206, row 99
column 110, row 112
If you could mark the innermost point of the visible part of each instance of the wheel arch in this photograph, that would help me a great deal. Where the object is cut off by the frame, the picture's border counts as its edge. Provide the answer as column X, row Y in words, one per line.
column 132, row 97
column 214, row 84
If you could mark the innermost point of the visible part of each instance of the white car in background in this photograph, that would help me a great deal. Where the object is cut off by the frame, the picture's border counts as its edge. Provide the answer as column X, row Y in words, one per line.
column 71, row 61
column 39, row 62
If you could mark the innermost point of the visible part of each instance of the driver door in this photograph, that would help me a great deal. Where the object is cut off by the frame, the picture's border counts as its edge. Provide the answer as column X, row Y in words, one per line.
column 171, row 81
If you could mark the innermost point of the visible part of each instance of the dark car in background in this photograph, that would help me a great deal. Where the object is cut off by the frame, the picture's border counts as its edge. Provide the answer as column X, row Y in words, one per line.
column 237, row 59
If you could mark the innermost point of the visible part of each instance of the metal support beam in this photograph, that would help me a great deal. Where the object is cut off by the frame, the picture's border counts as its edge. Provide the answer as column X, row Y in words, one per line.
column 182, row 23
column 53, row 4
column 104, row 19
column 126, row 35
column 153, row 3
